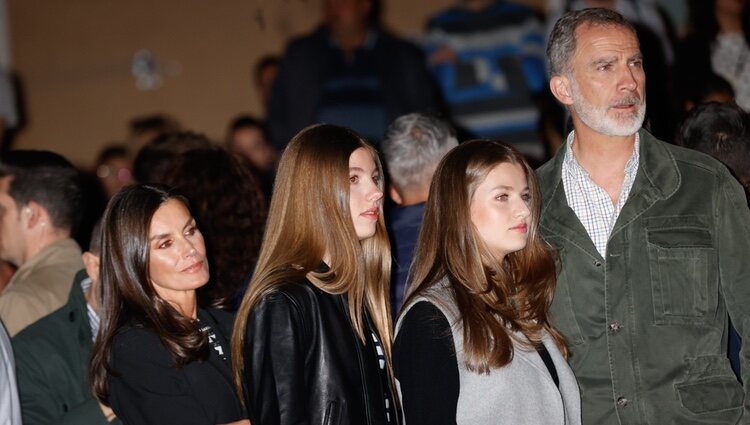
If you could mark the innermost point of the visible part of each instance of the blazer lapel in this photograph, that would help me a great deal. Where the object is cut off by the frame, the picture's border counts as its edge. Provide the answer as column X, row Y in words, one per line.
column 223, row 366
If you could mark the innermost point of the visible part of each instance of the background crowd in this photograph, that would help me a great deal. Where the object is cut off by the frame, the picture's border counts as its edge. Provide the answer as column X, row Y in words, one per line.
column 479, row 71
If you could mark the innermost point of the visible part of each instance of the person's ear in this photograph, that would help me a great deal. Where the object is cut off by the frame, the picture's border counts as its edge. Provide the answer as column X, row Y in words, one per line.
column 32, row 215
column 395, row 196
column 559, row 85
column 91, row 264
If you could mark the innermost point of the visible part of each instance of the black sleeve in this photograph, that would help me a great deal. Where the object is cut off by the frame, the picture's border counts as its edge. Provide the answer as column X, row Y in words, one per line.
column 274, row 362
column 424, row 360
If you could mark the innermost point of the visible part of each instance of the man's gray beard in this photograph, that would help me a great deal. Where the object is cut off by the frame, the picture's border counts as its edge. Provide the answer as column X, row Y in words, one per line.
column 597, row 119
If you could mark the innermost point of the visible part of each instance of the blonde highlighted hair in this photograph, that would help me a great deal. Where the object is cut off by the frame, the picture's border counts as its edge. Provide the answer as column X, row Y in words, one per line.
column 308, row 218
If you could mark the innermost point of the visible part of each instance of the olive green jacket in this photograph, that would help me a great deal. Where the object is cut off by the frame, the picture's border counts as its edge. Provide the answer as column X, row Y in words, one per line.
column 647, row 325
column 52, row 359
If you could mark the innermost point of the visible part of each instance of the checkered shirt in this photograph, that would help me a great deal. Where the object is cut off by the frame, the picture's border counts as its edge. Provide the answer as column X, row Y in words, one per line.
column 590, row 202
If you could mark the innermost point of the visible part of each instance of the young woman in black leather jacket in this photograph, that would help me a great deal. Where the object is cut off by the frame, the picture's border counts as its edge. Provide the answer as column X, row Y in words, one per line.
column 313, row 335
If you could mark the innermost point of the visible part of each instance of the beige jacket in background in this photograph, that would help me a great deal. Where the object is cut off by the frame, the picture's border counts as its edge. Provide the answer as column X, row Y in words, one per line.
column 40, row 286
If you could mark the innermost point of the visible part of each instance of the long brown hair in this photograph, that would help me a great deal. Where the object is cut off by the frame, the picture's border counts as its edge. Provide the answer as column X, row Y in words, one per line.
column 128, row 294
column 491, row 296
column 309, row 216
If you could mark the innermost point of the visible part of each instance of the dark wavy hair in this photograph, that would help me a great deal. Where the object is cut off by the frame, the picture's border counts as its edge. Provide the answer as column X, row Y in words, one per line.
column 128, row 294
column 492, row 297
column 155, row 159
column 230, row 209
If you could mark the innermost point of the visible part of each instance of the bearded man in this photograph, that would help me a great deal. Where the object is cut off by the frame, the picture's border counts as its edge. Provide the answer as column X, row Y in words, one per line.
column 652, row 240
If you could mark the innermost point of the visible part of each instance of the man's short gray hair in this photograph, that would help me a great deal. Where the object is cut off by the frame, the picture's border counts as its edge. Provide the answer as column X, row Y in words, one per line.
column 413, row 146
column 562, row 40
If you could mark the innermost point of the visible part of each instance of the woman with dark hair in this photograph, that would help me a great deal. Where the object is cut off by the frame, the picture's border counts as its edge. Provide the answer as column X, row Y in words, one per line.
column 158, row 358
column 473, row 342
column 312, row 339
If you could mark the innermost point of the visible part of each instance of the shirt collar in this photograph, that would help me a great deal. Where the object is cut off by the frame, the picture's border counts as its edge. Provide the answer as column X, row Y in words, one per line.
column 570, row 163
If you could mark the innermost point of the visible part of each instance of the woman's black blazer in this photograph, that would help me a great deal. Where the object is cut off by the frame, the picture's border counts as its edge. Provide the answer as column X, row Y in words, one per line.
column 147, row 389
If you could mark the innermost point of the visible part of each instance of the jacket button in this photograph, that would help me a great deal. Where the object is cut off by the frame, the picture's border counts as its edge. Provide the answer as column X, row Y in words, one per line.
column 615, row 326
column 622, row 401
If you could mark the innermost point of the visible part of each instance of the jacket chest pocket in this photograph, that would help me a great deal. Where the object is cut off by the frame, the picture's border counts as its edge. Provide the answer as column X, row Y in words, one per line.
column 682, row 263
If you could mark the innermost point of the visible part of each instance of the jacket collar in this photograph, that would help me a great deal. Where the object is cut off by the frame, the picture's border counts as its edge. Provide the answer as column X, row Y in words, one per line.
column 557, row 218
column 657, row 179
column 78, row 316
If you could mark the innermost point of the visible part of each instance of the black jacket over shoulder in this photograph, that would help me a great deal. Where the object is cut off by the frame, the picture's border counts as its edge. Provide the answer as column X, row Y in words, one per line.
column 304, row 363
column 148, row 389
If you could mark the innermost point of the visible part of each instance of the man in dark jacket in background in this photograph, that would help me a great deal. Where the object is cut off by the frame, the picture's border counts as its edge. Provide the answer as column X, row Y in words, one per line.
column 52, row 355
column 349, row 72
